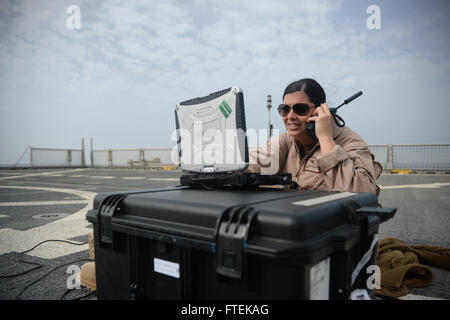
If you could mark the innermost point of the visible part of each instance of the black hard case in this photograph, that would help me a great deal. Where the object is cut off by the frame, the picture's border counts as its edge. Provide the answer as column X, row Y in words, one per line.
column 229, row 244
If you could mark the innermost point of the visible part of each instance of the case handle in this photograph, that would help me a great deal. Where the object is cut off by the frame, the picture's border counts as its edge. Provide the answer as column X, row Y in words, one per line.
column 383, row 213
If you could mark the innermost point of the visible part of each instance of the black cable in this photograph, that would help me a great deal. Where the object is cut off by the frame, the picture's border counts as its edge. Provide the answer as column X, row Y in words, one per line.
column 38, row 265
column 24, row 272
column 77, row 298
column 51, row 240
column 66, row 264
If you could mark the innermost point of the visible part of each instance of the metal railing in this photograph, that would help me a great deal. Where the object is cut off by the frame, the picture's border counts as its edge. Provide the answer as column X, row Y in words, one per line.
column 156, row 158
column 51, row 158
column 415, row 157
column 381, row 153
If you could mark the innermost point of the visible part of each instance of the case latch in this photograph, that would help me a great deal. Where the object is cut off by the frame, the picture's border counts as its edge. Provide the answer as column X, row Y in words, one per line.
column 232, row 234
column 106, row 210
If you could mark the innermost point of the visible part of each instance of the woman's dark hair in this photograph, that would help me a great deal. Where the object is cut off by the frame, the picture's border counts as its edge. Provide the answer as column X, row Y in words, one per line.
column 310, row 87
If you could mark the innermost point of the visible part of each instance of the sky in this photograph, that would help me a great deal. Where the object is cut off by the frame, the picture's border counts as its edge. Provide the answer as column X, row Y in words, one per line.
column 117, row 75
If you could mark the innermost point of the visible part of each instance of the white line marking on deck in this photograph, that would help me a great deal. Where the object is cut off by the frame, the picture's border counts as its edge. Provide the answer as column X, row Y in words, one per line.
column 133, row 178
column 91, row 177
column 41, row 174
column 12, row 194
column 74, row 225
column 42, row 203
column 419, row 186
column 102, row 177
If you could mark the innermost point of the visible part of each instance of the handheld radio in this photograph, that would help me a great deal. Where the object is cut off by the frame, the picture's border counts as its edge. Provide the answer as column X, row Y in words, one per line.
column 311, row 126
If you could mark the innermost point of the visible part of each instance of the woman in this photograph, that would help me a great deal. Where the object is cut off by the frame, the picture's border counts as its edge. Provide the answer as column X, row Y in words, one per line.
column 339, row 161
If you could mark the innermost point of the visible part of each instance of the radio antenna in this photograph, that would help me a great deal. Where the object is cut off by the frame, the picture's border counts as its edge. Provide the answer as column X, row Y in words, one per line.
column 348, row 100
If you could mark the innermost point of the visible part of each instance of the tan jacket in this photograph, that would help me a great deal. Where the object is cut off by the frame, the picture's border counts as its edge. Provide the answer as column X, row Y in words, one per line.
column 350, row 166
column 402, row 266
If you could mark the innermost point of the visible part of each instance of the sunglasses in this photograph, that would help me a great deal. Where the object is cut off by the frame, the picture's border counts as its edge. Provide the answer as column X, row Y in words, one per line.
column 300, row 109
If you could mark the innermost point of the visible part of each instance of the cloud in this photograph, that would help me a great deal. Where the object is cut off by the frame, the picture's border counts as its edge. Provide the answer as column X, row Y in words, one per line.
column 129, row 64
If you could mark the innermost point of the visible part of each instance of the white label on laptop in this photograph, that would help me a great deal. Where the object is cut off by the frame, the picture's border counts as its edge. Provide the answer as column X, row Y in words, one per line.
column 319, row 283
column 168, row 268
column 318, row 200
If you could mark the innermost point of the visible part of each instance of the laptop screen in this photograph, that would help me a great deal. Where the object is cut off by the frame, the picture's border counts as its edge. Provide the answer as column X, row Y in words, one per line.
column 211, row 132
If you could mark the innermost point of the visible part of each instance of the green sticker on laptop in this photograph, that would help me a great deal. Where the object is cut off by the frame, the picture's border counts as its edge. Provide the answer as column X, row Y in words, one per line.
column 225, row 109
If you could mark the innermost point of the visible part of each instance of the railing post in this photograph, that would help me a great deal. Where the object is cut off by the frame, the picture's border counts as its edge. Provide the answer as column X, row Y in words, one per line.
column 110, row 159
column 390, row 155
column 69, row 158
column 31, row 156
column 92, row 153
column 83, row 158
column 141, row 158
